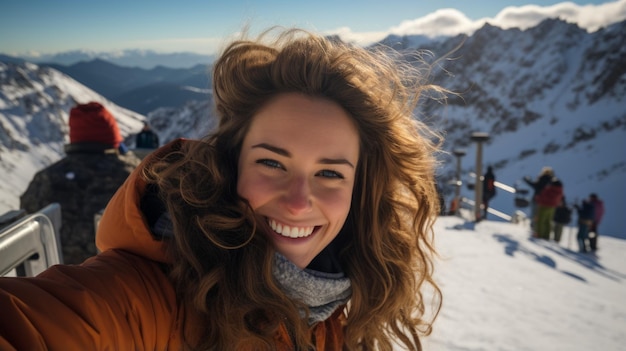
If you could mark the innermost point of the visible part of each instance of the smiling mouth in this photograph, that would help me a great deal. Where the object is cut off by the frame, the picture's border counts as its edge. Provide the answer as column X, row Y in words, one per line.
column 289, row 231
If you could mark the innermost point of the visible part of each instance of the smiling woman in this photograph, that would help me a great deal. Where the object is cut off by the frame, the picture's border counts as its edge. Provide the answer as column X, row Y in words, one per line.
column 303, row 185
column 304, row 221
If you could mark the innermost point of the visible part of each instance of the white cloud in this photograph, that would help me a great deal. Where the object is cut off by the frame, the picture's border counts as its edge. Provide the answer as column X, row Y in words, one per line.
column 449, row 21
column 590, row 17
column 441, row 22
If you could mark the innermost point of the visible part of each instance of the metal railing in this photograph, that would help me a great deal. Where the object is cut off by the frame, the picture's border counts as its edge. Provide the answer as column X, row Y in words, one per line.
column 30, row 244
column 520, row 200
column 493, row 211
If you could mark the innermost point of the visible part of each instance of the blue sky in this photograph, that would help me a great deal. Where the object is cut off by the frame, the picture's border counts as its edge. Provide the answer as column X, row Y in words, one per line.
column 201, row 26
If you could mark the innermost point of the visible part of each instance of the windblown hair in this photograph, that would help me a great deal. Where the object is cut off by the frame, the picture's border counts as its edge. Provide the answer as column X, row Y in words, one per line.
column 222, row 269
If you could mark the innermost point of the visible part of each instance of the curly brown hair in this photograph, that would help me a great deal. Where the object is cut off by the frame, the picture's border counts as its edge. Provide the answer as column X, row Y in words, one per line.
column 222, row 270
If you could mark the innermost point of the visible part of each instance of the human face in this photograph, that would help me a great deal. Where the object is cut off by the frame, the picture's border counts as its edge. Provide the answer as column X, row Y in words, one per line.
column 296, row 169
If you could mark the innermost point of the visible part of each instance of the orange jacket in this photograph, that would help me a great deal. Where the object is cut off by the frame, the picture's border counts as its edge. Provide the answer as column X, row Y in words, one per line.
column 118, row 300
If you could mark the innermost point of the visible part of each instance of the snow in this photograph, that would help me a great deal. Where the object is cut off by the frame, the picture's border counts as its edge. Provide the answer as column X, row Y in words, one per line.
column 503, row 290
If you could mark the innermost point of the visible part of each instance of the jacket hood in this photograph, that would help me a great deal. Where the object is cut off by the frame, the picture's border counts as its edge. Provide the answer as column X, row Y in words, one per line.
column 123, row 225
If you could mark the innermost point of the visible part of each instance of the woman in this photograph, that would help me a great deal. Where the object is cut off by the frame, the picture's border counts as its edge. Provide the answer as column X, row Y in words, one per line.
column 304, row 221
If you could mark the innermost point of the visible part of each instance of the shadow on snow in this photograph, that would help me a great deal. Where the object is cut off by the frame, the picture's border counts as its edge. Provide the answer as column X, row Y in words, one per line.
column 589, row 261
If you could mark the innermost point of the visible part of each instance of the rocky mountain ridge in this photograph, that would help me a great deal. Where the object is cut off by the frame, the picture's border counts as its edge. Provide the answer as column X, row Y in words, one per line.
column 551, row 95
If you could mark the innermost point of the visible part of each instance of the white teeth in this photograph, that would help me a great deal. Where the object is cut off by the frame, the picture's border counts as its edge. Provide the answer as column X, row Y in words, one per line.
column 290, row 232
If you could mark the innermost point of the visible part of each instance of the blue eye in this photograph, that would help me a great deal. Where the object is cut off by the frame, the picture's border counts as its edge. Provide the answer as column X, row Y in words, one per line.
column 330, row 174
column 270, row 163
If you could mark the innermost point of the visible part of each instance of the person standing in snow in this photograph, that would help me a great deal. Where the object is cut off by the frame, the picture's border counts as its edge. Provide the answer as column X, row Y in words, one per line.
column 303, row 222
column 84, row 180
column 546, row 201
column 598, row 207
column 489, row 189
column 545, row 176
column 586, row 214
column 562, row 217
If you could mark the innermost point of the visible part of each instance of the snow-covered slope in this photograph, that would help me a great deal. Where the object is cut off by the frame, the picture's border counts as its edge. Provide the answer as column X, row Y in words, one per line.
column 503, row 291
column 34, row 108
column 192, row 121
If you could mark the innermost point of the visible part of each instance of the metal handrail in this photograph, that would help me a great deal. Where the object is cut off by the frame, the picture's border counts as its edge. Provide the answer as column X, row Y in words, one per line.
column 493, row 211
column 32, row 241
column 497, row 184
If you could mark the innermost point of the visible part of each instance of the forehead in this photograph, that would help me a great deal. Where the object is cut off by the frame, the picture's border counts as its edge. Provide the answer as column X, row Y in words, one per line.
column 300, row 118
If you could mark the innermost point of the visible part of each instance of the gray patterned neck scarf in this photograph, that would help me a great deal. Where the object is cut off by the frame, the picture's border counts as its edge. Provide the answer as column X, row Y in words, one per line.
column 322, row 292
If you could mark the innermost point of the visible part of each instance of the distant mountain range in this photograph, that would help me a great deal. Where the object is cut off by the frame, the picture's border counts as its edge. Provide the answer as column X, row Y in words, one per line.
column 146, row 59
column 139, row 80
column 142, row 90
column 552, row 95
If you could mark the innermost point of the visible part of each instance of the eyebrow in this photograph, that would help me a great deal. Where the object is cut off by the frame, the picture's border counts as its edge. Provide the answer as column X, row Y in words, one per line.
column 283, row 152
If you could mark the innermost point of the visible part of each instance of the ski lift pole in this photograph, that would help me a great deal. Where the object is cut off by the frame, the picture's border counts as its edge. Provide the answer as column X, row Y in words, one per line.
column 479, row 138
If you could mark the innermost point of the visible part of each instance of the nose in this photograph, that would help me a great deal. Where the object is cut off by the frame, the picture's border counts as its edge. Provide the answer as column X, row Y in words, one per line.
column 297, row 198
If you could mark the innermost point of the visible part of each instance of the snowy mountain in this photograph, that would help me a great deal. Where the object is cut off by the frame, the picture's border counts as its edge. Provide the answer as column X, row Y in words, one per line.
column 407, row 42
column 192, row 121
column 551, row 95
column 34, row 109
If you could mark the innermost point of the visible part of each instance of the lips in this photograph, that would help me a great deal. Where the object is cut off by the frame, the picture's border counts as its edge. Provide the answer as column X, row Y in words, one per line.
column 290, row 231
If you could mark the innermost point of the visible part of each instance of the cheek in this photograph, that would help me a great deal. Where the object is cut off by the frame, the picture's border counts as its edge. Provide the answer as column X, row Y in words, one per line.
column 255, row 189
column 243, row 186
column 337, row 204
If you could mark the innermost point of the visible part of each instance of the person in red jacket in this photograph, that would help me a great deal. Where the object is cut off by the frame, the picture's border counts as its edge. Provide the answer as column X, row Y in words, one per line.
column 545, row 176
column 547, row 200
column 304, row 221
